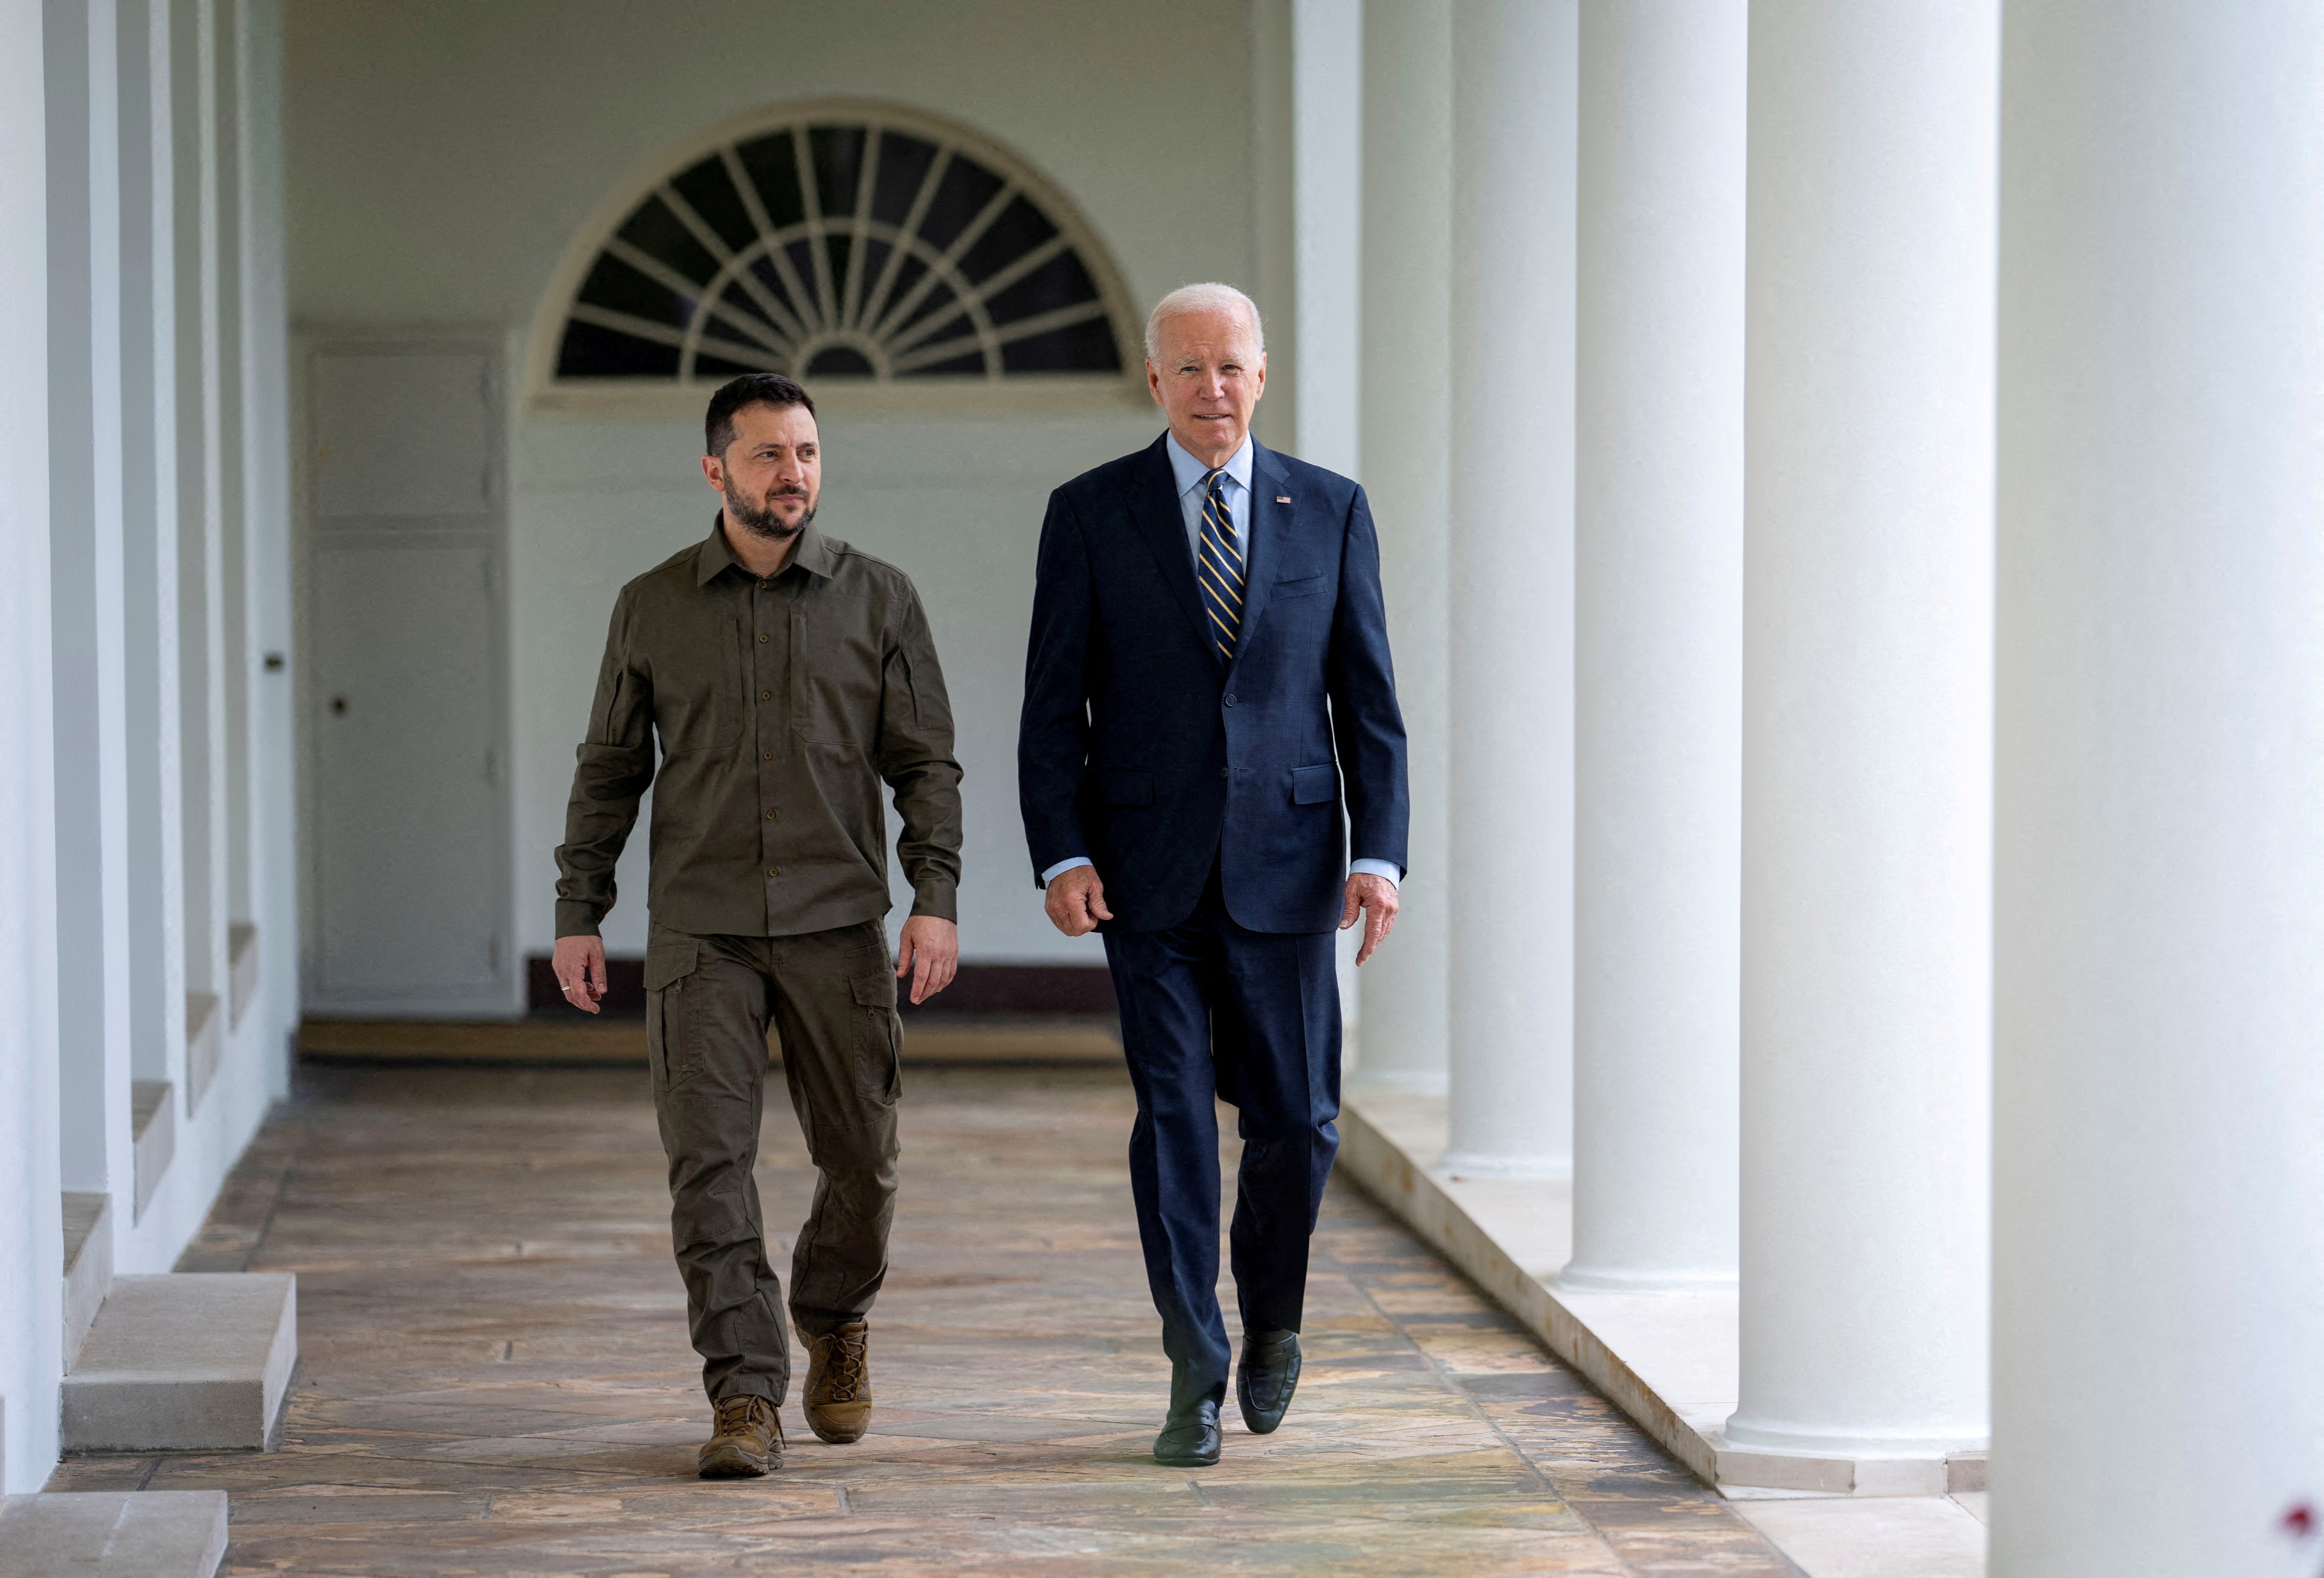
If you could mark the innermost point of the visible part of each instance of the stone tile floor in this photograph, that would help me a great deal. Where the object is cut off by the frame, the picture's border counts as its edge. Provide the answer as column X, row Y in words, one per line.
column 495, row 1377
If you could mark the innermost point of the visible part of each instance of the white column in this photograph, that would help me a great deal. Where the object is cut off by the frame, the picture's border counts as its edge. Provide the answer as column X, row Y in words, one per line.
column 1511, row 1108
column 150, row 545
column 1406, row 435
column 201, row 513
column 2159, row 1099
column 267, row 388
column 85, row 568
column 1327, row 40
column 31, row 1230
column 1659, row 666
column 236, row 662
column 1270, row 32
column 1867, row 730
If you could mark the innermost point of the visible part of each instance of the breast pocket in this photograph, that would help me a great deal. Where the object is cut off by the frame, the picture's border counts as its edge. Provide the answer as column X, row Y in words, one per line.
column 698, row 692
column 836, row 677
column 1301, row 586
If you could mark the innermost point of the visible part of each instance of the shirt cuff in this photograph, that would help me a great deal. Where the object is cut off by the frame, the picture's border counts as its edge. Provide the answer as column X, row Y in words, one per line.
column 938, row 900
column 577, row 917
column 1385, row 870
column 1061, row 867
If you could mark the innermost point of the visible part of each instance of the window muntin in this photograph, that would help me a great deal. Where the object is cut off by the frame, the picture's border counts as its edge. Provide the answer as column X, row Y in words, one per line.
column 842, row 245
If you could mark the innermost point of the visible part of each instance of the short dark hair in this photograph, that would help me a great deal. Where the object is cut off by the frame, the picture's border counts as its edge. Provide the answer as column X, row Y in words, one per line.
column 750, row 389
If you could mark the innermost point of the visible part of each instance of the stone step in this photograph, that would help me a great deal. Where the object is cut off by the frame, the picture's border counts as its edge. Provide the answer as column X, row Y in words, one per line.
column 113, row 1534
column 204, row 1045
column 185, row 1362
column 88, row 1264
column 242, row 956
column 152, row 1135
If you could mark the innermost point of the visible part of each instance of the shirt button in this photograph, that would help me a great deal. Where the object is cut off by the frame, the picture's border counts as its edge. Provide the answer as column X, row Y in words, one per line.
column 771, row 815
column 766, row 695
column 766, row 756
column 762, row 640
column 774, row 870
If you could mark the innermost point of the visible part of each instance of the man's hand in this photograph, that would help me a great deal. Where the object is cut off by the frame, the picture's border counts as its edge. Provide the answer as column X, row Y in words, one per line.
column 1376, row 898
column 930, row 949
column 1077, row 902
column 580, row 965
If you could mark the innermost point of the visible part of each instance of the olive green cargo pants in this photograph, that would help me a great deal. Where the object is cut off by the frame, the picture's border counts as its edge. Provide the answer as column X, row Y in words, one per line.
column 831, row 996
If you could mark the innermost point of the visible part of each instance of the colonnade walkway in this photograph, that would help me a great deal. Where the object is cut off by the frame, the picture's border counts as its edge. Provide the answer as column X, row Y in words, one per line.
column 495, row 1376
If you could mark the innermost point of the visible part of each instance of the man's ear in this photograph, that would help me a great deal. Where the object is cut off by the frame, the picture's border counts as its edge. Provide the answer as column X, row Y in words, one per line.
column 713, row 473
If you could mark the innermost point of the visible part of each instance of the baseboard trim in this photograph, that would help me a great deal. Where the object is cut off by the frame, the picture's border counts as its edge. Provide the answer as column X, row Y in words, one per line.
column 616, row 1043
column 1004, row 990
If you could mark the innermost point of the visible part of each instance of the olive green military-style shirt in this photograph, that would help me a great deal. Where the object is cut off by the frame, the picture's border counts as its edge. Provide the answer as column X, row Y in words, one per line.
column 781, row 704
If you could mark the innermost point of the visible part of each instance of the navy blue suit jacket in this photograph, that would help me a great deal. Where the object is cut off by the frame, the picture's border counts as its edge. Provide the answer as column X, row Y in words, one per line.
column 1140, row 749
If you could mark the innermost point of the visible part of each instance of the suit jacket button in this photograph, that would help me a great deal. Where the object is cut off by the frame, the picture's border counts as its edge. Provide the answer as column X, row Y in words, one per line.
column 1226, row 772
column 1229, row 698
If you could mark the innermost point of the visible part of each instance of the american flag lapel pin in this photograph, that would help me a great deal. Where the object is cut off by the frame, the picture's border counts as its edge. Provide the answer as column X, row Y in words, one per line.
column 1283, row 498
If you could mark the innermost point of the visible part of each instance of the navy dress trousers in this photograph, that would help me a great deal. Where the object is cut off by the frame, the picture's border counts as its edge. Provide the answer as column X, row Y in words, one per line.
column 1216, row 795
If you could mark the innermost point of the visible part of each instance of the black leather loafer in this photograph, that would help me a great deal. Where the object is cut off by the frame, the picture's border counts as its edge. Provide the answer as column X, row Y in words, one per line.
column 1265, row 1378
column 1189, row 1440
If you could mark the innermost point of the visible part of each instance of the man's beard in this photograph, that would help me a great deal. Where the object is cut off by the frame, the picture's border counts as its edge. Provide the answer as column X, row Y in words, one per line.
column 761, row 519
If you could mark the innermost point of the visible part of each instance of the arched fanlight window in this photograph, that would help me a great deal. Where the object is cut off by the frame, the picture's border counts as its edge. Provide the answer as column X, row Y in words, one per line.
column 848, row 242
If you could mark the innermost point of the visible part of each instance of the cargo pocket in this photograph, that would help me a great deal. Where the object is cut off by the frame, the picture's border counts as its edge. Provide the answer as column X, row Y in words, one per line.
column 879, row 1058
column 671, row 1050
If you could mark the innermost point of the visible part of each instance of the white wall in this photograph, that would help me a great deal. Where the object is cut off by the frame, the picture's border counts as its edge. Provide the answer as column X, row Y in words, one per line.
column 442, row 155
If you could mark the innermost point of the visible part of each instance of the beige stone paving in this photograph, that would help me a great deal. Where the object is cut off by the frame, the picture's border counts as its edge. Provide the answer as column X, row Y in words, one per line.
column 495, row 1378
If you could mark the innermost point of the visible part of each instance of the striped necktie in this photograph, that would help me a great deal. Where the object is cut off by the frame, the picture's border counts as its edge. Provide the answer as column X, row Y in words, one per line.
column 1218, row 566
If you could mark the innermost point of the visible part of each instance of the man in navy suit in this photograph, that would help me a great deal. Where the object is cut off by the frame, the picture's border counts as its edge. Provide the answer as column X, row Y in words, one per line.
column 1209, row 709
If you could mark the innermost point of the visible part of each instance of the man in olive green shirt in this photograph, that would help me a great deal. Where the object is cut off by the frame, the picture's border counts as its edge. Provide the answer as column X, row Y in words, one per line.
column 786, row 675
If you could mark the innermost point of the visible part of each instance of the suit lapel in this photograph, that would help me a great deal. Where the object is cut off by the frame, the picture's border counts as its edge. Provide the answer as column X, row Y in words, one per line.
column 1270, row 520
column 1154, row 504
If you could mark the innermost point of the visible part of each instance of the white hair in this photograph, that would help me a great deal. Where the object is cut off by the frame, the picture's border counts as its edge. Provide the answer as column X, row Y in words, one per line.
column 1208, row 297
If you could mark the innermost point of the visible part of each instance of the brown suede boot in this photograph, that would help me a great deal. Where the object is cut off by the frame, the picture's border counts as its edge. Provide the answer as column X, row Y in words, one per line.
column 838, row 1395
column 746, row 1439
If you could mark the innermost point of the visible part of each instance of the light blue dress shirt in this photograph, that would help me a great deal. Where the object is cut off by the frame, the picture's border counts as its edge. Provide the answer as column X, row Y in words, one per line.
column 1189, row 473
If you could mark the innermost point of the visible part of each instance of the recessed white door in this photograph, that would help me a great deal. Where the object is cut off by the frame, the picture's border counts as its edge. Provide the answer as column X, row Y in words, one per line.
column 409, row 795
